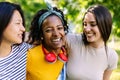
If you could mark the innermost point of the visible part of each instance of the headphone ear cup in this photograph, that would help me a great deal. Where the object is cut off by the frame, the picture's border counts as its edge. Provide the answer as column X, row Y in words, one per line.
column 62, row 57
column 50, row 57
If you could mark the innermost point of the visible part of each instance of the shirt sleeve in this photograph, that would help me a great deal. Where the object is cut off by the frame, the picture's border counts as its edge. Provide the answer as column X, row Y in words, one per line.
column 112, row 59
column 73, row 39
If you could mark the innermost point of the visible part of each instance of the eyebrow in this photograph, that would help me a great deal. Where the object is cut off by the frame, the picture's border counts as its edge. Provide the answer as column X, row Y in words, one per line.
column 59, row 25
column 56, row 26
column 90, row 21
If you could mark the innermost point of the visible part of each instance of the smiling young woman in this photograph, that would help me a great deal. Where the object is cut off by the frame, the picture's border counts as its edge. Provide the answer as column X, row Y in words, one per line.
column 46, row 61
column 90, row 58
column 12, row 48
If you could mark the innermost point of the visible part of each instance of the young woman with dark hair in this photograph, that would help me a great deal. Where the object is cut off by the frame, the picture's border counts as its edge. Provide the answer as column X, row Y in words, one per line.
column 46, row 61
column 12, row 48
column 90, row 58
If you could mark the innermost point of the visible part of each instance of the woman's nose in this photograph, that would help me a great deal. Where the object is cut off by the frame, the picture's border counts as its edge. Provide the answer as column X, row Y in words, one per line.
column 55, row 32
column 22, row 28
column 87, row 28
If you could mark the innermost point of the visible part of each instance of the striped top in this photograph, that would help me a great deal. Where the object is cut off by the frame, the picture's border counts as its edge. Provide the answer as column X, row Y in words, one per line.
column 13, row 67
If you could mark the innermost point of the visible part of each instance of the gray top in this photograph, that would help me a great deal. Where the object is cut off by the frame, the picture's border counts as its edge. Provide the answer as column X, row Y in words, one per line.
column 86, row 62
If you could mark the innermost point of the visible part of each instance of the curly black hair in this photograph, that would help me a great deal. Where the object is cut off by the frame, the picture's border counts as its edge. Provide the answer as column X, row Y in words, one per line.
column 36, row 31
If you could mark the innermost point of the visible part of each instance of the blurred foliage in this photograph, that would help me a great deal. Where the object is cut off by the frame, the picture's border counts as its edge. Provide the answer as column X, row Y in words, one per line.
column 30, row 7
column 76, row 9
column 114, row 7
column 73, row 9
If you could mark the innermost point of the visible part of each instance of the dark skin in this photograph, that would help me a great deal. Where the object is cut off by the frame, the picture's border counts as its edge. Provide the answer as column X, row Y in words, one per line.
column 53, row 34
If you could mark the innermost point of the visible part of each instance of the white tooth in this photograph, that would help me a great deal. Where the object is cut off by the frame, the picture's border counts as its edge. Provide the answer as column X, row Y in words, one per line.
column 56, row 39
column 89, row 34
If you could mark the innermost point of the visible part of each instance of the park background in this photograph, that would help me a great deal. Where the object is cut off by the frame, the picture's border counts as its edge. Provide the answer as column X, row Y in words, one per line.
column 74, row 10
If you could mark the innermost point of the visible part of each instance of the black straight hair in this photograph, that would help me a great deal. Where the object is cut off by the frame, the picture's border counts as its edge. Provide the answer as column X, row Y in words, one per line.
column 6, row 11
column 103, row 19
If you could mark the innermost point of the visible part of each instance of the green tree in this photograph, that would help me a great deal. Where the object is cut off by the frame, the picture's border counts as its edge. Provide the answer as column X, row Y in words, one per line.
column 114, row 7
column 73, row 9
column 30, row 7
column 76, row 8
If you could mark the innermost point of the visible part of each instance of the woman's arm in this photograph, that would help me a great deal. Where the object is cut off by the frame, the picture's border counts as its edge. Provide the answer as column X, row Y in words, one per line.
column 107, row 74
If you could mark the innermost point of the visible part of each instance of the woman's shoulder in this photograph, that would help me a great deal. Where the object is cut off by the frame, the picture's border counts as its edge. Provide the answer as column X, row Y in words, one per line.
column 74, row 37
column 112, row 58
column 74, row 41
column 35, row 48
column 111, row 52
column 25, row 45
column 22, row 46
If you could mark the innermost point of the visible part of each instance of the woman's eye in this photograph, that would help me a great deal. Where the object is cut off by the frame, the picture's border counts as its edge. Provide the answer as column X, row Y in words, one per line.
column 48, row 30
column 17, row 23
column 93, row 25
column 60, row 28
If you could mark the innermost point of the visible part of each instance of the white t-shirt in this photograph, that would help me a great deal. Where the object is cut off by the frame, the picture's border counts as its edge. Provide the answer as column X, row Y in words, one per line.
column 13, row 67
column 86, row 62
